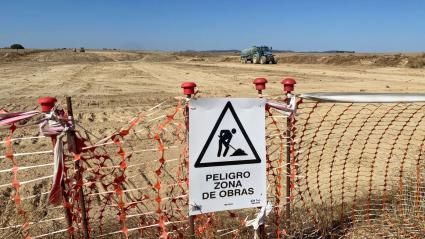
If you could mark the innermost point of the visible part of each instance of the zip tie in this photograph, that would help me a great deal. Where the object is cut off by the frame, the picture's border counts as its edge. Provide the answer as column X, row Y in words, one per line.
column 36, row 195
column 26, row 167
column 24, row 138
column 230, row 232
column 147, row 213
column 130, row 190
column 157, row 118
column 26, row 182
column 29, row 153
column 50, row 233
column 261, row 216
column 129, row 166
column 154, row 149
column 144, row 227
column 115, row 166
column 98, row 145
column 141, row 214
column 278, row 134
column 156, row 106
column 140, row 114
column 31, row 223
column 162, row 199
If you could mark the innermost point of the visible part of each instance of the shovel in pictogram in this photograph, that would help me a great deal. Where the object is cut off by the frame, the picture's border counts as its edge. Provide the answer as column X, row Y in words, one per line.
column 237, row 152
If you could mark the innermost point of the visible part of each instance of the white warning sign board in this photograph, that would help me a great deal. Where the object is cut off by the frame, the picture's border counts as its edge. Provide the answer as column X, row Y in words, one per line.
column 227, row 154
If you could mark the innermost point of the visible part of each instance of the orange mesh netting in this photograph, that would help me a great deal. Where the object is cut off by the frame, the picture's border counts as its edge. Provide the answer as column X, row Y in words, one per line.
column 356, row 170
column 360, row 170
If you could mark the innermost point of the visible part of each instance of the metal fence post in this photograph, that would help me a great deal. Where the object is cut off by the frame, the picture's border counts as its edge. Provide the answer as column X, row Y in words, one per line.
column 189, row 90
column 288, row 87
column 74, row 149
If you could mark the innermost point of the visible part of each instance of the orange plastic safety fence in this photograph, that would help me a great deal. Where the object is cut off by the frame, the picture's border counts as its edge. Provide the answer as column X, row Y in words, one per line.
column 275, row 166
column 148, row 175
column 16, row 184
column 356, row 170
column 135, row 182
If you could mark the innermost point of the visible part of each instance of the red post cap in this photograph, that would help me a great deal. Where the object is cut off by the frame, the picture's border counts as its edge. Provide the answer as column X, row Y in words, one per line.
column 260, row 83
column 47, row 103
column 188, row 88
column 288, row 84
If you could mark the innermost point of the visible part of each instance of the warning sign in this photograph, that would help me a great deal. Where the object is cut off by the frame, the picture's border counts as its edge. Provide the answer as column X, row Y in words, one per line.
column 222, row 136
column 226, row 154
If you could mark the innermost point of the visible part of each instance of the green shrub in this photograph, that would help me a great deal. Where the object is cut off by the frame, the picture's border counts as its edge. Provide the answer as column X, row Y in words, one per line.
column 16, row 46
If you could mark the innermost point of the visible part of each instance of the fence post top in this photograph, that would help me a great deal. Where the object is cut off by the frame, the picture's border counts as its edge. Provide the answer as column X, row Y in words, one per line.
column 188, row 87
column 288, row 84
column 47, row 103
column 260, row 83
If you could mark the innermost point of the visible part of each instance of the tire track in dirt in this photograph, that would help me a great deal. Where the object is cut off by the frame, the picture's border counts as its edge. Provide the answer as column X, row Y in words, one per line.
column 77, row 78
column 336, row 78
column 210, row 81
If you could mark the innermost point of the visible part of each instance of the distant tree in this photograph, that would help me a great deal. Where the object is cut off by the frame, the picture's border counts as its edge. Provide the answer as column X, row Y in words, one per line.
column 16, row 46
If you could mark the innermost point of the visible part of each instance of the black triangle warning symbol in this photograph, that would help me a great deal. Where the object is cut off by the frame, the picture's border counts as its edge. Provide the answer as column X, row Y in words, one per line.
column 226, row 143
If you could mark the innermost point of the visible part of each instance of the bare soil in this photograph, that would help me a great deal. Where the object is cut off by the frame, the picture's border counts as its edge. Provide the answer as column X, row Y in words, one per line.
column 110, row 87
column 144, row 74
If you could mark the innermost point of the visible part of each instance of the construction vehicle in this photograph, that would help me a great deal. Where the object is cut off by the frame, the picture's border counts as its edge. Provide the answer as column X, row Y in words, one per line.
column 258, row 54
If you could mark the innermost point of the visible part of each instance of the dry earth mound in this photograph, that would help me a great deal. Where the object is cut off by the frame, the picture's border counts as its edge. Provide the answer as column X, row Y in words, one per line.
column 68, row 56
column 79, row 57
column 390, row 60
column 160, row 57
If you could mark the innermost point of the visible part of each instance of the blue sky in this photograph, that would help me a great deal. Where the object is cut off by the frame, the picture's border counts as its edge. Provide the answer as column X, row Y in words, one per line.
column 361, row 25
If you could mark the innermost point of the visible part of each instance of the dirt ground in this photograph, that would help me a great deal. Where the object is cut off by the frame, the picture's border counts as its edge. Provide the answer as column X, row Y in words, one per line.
column 110, row 87
column 104, row 84
column 145, row 74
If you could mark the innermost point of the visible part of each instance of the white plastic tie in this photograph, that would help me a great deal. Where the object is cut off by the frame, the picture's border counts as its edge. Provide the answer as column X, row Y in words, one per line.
column 261, row 217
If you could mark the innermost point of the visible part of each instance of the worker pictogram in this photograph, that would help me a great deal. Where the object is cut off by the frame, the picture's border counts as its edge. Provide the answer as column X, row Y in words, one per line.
column 224, row 142
column 227, row 154
column 225, row 139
